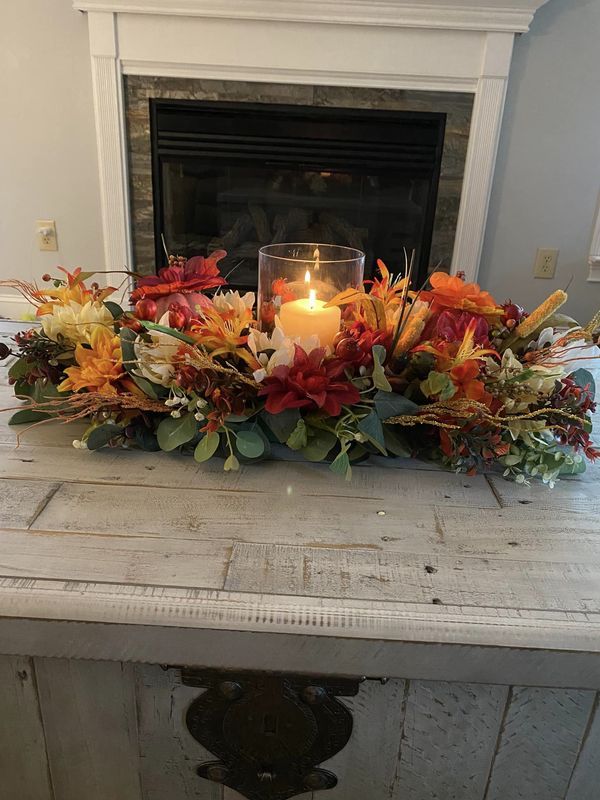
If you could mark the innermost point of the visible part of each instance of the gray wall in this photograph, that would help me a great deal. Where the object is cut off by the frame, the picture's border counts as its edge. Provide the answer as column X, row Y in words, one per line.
column 548, row 172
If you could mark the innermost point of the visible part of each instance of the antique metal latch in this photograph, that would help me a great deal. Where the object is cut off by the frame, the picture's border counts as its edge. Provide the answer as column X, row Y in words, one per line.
column 269, row 731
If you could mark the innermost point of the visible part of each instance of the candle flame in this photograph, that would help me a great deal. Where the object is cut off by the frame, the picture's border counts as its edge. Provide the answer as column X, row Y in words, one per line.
column 307, row 277
column 312, row 299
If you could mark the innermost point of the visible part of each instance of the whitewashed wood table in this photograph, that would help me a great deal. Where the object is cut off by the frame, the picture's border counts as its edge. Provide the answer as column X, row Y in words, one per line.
column 479, row 601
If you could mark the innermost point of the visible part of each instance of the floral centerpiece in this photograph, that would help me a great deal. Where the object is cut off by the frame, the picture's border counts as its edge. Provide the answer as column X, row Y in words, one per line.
column 445, row 373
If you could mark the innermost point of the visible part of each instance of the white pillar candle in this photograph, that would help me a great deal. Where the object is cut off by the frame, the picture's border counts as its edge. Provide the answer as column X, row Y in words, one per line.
column 309, row 316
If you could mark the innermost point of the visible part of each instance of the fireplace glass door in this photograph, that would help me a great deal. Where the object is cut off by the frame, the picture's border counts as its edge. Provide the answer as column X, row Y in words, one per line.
column 237, row 176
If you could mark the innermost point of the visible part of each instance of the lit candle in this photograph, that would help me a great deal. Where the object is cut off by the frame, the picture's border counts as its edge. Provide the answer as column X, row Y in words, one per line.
column 309, row 316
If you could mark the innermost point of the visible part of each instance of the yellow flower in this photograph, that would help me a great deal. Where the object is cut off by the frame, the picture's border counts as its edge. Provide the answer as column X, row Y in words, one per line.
column 98, row 368
column 76, row 322
column 543, row 312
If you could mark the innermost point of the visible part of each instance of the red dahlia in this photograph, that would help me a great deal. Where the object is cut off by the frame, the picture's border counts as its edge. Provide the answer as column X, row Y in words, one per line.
column 312, row 381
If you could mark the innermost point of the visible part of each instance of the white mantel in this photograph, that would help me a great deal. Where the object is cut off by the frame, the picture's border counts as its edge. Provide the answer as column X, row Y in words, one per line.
column 440, row 45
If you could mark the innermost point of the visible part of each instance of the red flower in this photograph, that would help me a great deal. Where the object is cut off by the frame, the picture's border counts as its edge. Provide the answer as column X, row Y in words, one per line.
column 311, row 382
column 183, row 276
column 451, row 325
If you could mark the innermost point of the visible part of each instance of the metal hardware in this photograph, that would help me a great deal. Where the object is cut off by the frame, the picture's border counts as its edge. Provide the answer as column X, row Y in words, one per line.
column 269, row 731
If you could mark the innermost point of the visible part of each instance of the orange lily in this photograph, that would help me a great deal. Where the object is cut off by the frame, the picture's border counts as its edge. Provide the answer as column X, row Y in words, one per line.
column 450, row 291
column 222, row 334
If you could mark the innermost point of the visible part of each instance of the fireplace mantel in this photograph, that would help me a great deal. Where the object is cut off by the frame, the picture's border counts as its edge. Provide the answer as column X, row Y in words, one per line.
column 440, row 45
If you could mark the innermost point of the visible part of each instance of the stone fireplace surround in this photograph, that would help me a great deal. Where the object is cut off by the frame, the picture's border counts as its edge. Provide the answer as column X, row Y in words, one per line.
column 441, row 46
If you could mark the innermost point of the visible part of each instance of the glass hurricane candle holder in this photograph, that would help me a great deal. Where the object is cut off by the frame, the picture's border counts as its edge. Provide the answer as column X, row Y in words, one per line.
column 296, row 281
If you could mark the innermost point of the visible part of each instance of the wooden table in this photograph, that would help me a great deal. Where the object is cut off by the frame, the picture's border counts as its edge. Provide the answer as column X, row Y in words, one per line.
column 470, row 604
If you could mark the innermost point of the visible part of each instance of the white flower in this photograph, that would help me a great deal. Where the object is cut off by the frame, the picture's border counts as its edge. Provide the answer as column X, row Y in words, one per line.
column 276, row 350
column 241, row 305
column 155, row 359
column 75, row 322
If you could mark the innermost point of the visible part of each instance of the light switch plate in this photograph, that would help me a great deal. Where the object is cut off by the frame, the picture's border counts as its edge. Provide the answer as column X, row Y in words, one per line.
column 545, row 263
column 46, row 234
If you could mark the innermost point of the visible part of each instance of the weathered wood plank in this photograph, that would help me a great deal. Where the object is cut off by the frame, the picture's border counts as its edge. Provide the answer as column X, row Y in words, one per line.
column 585, row 780
column 449, row 737
column 366, row 766
column 567, row 496
column 374, row 575
column 539, row 742
column 168, row 753
column 88, row 710
column 134, row 560
column 22, row 501
column 173, row 470
column 23, row 760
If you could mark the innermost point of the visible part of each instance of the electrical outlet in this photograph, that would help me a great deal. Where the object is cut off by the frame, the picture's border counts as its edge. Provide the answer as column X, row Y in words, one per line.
column 46, row 234
column 545, row 263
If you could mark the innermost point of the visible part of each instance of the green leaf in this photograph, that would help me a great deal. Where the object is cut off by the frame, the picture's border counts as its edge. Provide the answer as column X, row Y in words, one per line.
column 319, row 444
column 341, row 465
column 19, row 369
column 83, row 276
column 145, row 439
column 372, row 428
column 154, row 326
column 231, row 463
column 250, row 444
column 583, row 378
column 390, row 404
column 147, row 387
column 114, row 308
column 27, row 415
column 283, row 424
column 102, row 435
column 395, row 443
column 379, row 379
column 438, row 384
column 172, row 432
column 207, row 446
column 128, row 337
column 298, row 438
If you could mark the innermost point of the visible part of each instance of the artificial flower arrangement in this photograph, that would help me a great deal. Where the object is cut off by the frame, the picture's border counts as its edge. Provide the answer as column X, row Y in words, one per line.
column 445, row 373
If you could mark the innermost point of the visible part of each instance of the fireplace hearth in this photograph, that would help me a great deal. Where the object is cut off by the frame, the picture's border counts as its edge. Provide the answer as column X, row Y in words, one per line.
column 238, row 176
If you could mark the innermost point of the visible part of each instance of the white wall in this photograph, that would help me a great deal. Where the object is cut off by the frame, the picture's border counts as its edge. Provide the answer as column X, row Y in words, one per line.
column 548, row 171
column 544, row 195
column 48, row 163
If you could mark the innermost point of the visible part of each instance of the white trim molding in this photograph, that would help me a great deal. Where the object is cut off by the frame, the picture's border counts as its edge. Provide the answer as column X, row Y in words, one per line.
column 441, row 45
column 594, row 258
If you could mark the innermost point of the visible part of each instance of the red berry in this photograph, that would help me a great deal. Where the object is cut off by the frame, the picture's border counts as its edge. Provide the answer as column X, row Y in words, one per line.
column 146, row 309
column 348, row 350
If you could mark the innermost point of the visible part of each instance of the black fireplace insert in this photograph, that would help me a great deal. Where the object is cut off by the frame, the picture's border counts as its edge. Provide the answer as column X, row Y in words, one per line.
column 237, row 176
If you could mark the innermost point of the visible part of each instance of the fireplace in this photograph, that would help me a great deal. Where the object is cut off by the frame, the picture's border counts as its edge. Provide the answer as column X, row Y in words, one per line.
column 236, row 176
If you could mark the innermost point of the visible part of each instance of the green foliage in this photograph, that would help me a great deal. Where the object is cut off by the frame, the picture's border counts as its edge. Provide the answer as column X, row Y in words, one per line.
column 250, row 444
column 341, row 465
column 395, row 443
column 154, row 326
column 114, row 308
column 207, row 446
column 379, row 379
column 19, row 369
column 390, row 404
column 438, row 384
column 283, row 424
column 583, row 378
column 320, row 443
column 101, row 435
column 371, row 427
column 27, row 415
column 173, row 432
column 298, row 438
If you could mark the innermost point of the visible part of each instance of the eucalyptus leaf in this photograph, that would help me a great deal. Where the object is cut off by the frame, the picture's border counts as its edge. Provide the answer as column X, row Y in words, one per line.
column 154, row 326
column 341, row 465
column 319, row 445
column 147, row 387
column 128, row 337
column 172, row 433
column 114, row 308
column 102, row 435
column 379, row 379
column 207, row 446
column 390, row 404
column 372, row 428
column 250, row 444
column 395, row 443
column 231, row 463
column 27, row 415
column 583, row 378
column 283, row 424
column 298, row 438
column 19, row 369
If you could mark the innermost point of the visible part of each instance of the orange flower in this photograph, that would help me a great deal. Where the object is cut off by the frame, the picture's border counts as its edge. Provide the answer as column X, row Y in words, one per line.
column 464, row 377
column 99, row 367
column 223, row 334
column 74, row 291
column 450, row 291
